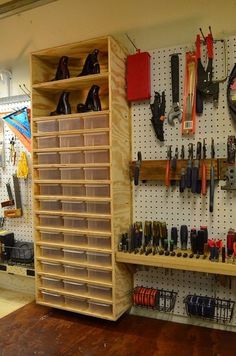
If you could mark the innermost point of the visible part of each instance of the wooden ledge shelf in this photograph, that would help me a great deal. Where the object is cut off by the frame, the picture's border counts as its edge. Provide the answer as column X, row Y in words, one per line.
column 74, row 247
column 156, row 169
column 71, row 198
column 71, row 132
column 72, row 165
column 73, row 263
column 17, row 270
column 73, row 214
column 73, row 231
column 70, row 149
column 72, row 116
column 180, row 263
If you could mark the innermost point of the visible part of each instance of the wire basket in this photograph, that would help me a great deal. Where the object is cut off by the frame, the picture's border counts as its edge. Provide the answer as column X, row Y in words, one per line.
column 21, row 254
column 151, row 298
column 219, row 310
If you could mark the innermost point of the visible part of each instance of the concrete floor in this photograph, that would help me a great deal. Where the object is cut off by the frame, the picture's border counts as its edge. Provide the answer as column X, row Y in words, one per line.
column 12, row 300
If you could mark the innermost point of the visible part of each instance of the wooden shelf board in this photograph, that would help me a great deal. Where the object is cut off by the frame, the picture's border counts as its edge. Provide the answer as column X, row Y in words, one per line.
column 73, row 214
column 72, row 198
column 17, row 270
column 75, row 279
column 70, row 132
column 73, row 231
column 72, row 116
column 72, row 263
column 71, row 294
column 74, row 310
column 71, row 165
column 71, row 149
column 74, row 247
column 72, row 181
column 180, row 263
column 75, row 83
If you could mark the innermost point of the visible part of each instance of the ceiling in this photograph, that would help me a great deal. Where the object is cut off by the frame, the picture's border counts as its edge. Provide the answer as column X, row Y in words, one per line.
column 9, row 8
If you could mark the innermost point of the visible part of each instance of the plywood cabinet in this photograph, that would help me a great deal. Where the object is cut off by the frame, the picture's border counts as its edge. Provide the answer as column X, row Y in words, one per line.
column 82, row 192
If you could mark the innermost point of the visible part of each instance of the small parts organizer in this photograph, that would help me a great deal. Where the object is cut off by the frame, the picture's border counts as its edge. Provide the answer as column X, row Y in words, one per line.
column 161, row 300
column 219, row 310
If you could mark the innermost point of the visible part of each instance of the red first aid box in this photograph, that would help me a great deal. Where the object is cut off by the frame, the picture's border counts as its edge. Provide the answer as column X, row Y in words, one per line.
column 138, row 76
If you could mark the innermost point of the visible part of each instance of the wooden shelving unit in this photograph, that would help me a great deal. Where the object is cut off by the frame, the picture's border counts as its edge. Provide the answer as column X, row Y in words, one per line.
column 82, row 189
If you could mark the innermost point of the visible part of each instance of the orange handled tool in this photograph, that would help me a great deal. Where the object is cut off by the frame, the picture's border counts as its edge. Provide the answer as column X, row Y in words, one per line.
column 204, row 183
column 167, row 176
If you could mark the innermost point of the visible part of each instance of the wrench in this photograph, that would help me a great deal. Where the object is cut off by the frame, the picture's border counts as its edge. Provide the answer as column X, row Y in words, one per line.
column 175, row 111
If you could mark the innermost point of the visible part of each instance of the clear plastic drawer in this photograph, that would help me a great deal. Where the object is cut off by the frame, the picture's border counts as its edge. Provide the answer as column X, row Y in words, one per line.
column 49, row 173
column 49, row 189
column 96, row 122
column 101, row 156
column 74, row 206
column 74, row 271
column 52, row 298
column 76, row 303
column 47, row 126
column 53, row 268
column 71, row 124
column 72, row 173
column 72, row 141
column 100, row 308
column 72, row 239
column 75, row 223
column 100, row 292
column 48, row 158
column 97, row 173
column 49, row 205
column 52, row 283
column 96, row 139
column 99, row 242
column 75, row 256
column 50, row 236
column 50, row 220
column 77, row 190
column 99, row 190
column 99, row 275
column 46, row 142
column 98, row 207
column 99, row 259
column 74, row 287
column 72, row 157
column 99, row 225
column 51, row 252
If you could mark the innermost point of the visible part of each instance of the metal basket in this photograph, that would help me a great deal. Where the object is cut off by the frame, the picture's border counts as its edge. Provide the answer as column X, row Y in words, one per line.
column 21, row 254
column 156, row 299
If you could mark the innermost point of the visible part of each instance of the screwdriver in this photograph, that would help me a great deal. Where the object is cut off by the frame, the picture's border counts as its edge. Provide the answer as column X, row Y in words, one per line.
column 182, row 173
column 212, row 175
column 167, row 176
column 189, row 166
column 203, row 189
column 195, row 170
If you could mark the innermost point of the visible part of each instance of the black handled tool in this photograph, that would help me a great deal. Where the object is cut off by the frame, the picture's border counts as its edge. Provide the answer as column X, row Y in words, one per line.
column 175, row 111
column 204, row 185
column 156, row 233
column 158, row 108
column 189, row 166
column 174, row 236
column 195, row 169
column 173, row 164
column 212, row 176
column 167, row 174
column 184, row 237
column 182, row 181
column 147, row 232
column 137, row 168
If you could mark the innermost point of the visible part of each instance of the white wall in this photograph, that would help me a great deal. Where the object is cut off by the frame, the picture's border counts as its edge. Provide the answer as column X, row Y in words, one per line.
column 150, row 23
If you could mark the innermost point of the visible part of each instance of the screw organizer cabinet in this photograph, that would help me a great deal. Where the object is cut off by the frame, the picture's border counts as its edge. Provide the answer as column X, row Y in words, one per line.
column 82, row 191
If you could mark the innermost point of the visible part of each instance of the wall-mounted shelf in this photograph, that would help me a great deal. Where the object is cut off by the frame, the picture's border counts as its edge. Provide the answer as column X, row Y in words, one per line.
column 180, row 263
column 17, row 270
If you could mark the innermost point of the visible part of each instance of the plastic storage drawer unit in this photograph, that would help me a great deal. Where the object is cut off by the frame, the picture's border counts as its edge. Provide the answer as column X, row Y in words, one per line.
column 53, row 268
column 47, row 126
column 72, row 173
column 72, row 157
column 53, row 237
column 74, row 206
column 99, row 242
column 74, row 287
column 101, row 156
column 49, row 205
column 99, row 259
column 51, row 283
column 96, row 139
column 49, row 173
column 50, row 220
column 99, row 275
column 100, row 292
column 75, row 223
column 96, row 122
column 97, row 173
column 52, row 298
column 72, row 141
column 71, row 124
column 76, row 303
column 99, row 224
column 99, row 190
column 77, row 190
column 100, row 308
column 49, row 189
column 74, row 271
column 74, row 256
column 47, row 142
column 72, row 239
column 51, row 252
column 48, row 158
column 98, row 207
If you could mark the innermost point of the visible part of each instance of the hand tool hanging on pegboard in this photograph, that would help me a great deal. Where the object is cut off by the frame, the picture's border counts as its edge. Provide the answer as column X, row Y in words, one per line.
column 158, row 108
column 15, row 213
column 168, row 165
column 175, row 111
column 189, row 166
column 182, row 181
column 230, row 175
column 137, row 168
column 195, row 169
column 231, row 93
column 204, row 182
column 10, row 201
column 212, row 177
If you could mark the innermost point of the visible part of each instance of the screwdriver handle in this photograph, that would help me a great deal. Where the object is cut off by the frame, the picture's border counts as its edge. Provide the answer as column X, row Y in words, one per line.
column 189, row 177
column 195, row 171
column 204, row 190
column 212, row 187
column 167, row 176
column 182, row 181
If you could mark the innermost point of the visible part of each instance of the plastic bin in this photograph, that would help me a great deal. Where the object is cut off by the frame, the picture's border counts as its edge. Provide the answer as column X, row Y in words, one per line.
column 76, row 303
column 49, row 173
column 75, row 223
column 47, row 142
column 74, row 256
column 99, row 190
column 99, row 275
column 48, row 158
column 95, row 122
column 74, row 206
column 77, row 190
column 97, row 173
column 72, row 173
column 72, row 157
column 99, row 225
column 72, row 141
column 74, row 287
column 52, row 283
column 74, row 271
column 99, row 242
column 51, row 252
column 98, row 207
column 53, row 268
column 100, row 292
column 49, row 189
column 102, row 156
column 49, row 205
column 50, row 220
column 47, row 126
column 52, row 298
column 71, row 124
column 99, row 259
column 50, row 236
column 96, row 139
column 72, row 239
column 100, row 308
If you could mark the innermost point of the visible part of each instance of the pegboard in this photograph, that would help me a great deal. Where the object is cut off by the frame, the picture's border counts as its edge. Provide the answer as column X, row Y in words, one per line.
column 153, row 201
column 22, row 227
